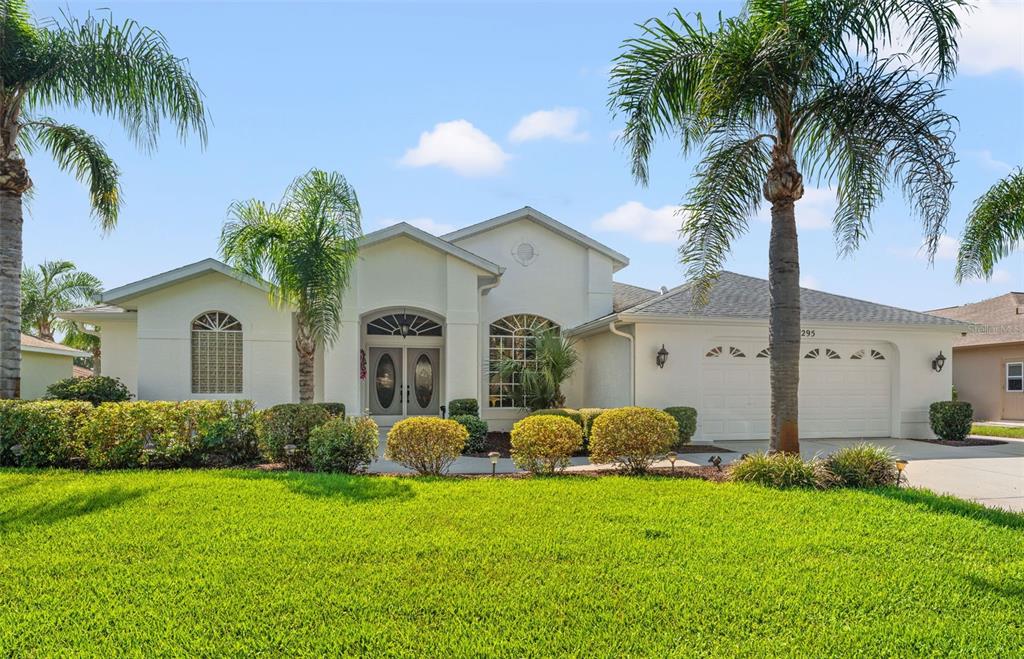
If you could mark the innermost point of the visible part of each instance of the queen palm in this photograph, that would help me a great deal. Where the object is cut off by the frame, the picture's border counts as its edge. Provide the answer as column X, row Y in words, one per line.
column 121, row 70
column 50, row 288
column 306, row 247
column 994, row 228
column 788, row 88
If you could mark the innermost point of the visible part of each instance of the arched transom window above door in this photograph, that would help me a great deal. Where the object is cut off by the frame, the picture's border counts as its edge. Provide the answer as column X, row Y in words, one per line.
column 511, row 339
column 403, row 324
column 216, row 339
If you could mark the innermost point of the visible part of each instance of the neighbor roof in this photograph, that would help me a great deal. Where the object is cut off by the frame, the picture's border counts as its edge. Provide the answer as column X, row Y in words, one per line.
column 738, row 296
column 409, row 231
column 625, row 296
column 178, row 275
column 528, row 213
column 997, row 320
column 35, row 344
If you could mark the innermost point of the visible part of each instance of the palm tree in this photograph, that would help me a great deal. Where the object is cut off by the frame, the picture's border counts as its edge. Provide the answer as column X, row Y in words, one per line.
column 125, row 71
column 789, row 88
column 306, row 247
column 994, row 228
column 53, row 287
column 540, row 384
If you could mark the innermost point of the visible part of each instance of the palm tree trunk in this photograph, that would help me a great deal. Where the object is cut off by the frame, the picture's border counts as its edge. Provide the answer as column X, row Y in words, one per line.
column 13, row 183
column 96, row 358
column 783, row 187
column 306, row 348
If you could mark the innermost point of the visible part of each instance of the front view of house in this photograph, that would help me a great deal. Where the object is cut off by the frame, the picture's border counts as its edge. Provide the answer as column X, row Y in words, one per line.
column 427, row 319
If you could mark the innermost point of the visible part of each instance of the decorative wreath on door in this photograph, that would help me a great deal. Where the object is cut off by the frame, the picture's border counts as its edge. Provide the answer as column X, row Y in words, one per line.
column 362, row 364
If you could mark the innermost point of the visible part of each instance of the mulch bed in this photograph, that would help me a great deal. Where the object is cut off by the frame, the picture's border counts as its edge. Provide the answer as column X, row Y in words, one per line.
column 502, row 443
column 970, row 441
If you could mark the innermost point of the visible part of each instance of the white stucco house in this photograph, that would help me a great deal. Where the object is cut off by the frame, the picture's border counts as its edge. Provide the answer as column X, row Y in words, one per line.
column 425, row 316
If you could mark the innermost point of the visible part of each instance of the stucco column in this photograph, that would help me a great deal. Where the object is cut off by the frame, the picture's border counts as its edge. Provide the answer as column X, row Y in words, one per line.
column 341, row 369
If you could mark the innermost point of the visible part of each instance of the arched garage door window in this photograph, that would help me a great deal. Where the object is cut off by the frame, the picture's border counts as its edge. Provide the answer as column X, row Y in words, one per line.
column 511, row 337
column 216, row 354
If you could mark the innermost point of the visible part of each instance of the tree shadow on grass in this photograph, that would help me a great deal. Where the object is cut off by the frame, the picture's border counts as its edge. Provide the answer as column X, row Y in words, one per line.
column 357, row 488
column 1010, row 591
column 950, row 505
column 69, row 507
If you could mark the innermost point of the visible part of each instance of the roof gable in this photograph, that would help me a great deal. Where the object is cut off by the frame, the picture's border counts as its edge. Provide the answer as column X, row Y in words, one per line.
column 527, row 213
column 998, row 319
column 409, row 231
column 176, row 276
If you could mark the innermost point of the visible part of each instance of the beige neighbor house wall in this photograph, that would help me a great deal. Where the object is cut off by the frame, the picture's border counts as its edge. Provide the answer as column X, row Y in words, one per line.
column 979, row 375
column 914, row 384
column 566, row 282
column 40, row 370
column 164, row 320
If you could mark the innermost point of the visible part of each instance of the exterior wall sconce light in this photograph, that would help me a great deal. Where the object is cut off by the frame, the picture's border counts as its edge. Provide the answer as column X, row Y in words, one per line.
column 939, row 362
column 661, row 357
column 494, row 455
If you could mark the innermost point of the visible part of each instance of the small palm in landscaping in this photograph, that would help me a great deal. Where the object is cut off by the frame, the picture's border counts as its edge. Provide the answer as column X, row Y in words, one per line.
column 540, row 384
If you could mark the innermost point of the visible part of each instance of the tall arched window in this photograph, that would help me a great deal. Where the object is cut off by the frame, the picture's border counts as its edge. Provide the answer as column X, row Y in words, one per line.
column 216, row 354
column 511, row 337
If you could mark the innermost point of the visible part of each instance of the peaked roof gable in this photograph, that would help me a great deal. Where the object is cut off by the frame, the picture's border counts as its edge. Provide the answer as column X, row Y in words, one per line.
column 176, row 276
column 998, row 319
column 740, row 296
column 534, row 215
column 404, row 229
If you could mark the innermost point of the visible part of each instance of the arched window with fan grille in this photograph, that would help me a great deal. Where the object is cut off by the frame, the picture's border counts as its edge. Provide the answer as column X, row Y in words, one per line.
column 216, row 339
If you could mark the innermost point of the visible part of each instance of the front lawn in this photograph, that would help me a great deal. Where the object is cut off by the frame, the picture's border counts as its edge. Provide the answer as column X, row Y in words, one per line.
column 1015, row 432
column 239, row 562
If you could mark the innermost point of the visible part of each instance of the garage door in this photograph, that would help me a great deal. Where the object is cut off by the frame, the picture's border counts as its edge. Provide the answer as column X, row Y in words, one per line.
column 845, row 391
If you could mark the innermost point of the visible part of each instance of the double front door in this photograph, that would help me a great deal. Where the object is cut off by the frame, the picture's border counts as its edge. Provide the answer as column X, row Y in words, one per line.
column 404, row 381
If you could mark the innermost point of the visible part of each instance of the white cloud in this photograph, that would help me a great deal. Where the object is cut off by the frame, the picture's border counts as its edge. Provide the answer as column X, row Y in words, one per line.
column 813, row 211
column 558, row 124
column 652, row 225
column 810, row 281
column 460, row 146
column 991, row 38
column 426, row 223
column 988, row 161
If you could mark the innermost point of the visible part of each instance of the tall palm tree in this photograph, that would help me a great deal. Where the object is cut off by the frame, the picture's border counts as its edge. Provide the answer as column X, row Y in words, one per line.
column 306, row 247
column 124, row 71
column 53, row 287
column 994, row 228
column 787, row 88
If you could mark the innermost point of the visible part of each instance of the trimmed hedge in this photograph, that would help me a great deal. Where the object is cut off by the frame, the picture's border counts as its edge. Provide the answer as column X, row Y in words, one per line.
column 951, row 419
column 567, row 412
column 588, row 415
column 426, row 444
column 291, row 423
column 633, row 437
column 463, row 407
column 94, row 389
column 344, row 445
column 686, row 417
column 544, row 443
column 42, row 433
column 477, row 429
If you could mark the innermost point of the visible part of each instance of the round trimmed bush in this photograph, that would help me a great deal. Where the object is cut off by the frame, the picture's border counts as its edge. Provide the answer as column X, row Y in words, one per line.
column 862, row 465
column 587, row 416
column 568, row 413
column 543, row 444
column 94, row 389
column 951, row 419
column 344, row 445
column 781, row 470
column 291, row 423
column 463, row 407
column 426, row 444
column 633, row 437
column 477, row 429
column 686, row 417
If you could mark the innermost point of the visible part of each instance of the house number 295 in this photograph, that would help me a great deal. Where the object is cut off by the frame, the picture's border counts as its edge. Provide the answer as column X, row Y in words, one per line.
column 807, row 332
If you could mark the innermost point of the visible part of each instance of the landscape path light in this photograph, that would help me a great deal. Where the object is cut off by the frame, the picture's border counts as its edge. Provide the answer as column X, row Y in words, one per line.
column 494, row 455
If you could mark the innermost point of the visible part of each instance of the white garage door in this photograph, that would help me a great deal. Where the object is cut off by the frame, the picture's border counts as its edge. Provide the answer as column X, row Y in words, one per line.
column 845, row 391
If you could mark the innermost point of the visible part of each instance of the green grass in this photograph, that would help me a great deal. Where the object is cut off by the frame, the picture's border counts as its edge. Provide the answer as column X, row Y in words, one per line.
column 236, row 562
column 997, row 431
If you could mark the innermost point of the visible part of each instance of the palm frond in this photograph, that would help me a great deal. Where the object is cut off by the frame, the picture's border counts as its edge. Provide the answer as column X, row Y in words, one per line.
column 79, row 153
column 994, row 228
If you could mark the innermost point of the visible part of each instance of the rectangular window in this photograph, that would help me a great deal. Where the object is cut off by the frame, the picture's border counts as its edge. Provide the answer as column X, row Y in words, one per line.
column 1015, row 376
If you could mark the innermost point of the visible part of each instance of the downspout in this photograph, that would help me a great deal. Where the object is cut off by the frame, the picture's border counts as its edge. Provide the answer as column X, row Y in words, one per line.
column 632, row 360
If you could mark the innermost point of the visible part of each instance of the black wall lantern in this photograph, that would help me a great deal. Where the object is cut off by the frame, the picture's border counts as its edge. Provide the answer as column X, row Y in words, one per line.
column 661, row 357
column 939, row 362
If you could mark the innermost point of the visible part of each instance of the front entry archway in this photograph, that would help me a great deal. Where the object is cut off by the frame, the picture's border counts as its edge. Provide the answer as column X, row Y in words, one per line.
column 404, row 356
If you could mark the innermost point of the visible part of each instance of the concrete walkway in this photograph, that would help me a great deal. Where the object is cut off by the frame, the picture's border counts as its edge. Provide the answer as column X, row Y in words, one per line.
column 990, row 475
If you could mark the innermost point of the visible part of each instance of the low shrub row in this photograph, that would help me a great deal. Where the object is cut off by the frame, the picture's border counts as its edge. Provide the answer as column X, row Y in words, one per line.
column 862, row 465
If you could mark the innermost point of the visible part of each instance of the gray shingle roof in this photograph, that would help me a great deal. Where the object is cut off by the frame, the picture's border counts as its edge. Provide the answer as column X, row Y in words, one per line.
column 739, row 296
column 625, row 296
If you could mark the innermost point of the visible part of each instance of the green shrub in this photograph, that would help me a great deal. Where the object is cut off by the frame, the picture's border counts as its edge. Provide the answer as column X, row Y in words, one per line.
column 334, row 409
column 290, row 423
column 951, row 419
column 477, row 429
column 633, row 437
column 426, row 444
column 544, row 443
column 569, row 413
column 781, row 470
column 862, row 465
column 686, row 417
column 94, row 389
column 463, row 407
column 588, row 415
column 344, row 445
column 42, row 433
column 232, row 439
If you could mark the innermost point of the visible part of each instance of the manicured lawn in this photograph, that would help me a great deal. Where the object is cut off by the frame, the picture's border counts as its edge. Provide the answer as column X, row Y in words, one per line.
column 235, row 562
column 997, row 431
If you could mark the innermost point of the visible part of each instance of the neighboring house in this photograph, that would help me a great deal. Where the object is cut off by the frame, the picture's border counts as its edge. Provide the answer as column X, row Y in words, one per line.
column 988, row 362
column 43, row 363
column 427, row 319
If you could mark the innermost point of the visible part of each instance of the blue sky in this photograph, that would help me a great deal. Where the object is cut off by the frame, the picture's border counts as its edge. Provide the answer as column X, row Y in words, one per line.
column 447, row 114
